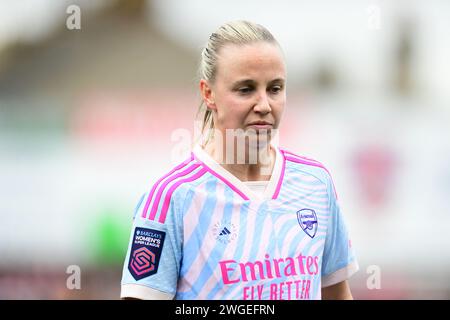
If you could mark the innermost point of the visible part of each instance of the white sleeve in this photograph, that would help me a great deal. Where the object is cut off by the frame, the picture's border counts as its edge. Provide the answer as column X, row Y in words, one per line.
column 153, row 257
column 143, row 292
column 339, row 259
column 340, row 275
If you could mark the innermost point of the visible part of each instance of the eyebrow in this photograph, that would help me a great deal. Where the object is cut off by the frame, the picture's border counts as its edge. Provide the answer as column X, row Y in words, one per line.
column 251, row 81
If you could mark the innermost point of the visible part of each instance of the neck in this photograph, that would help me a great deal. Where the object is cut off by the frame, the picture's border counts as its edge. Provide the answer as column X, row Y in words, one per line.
column 248, row 164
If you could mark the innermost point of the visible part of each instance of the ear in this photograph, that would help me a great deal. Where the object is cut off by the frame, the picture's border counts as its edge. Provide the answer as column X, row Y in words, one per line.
column 207, row 94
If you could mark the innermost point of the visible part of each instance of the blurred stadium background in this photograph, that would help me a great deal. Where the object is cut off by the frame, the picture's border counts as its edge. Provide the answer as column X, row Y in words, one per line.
column 90, row 117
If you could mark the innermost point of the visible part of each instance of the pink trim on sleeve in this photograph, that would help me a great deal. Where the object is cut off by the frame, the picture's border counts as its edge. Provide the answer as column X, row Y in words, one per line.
column 149, row 198
column 164, row 185
column 298, row 159
column 165, row 208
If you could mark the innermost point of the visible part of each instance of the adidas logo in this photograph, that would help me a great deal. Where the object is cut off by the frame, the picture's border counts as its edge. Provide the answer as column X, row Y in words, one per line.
column 224, row 232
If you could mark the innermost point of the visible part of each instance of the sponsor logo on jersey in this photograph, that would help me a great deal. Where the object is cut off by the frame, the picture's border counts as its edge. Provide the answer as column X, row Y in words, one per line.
column 307, row 220
column 293, row 277
column 145, row 252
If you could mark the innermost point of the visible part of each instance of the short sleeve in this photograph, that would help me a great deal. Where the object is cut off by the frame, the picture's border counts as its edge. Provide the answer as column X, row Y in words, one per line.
column 152, row 262
column 339, row 261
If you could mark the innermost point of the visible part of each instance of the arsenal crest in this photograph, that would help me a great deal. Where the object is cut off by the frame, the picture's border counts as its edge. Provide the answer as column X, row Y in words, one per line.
column 307, row 220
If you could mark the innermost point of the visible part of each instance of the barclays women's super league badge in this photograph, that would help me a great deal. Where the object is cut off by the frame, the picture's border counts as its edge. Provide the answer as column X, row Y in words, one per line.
column 307, row 219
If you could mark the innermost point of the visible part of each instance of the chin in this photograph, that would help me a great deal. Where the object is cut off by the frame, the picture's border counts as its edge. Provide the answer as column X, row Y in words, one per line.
column 259, row 140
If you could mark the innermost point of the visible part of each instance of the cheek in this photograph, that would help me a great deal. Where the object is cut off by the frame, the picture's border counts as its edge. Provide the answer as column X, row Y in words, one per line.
column 277, row 111
column 231, row 110
column 233, row 102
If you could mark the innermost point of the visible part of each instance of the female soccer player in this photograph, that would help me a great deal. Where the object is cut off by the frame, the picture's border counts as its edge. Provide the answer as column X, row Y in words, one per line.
column 241, row 218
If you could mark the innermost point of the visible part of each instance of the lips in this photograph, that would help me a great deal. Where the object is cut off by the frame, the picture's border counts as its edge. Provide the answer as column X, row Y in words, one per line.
column 260, row 125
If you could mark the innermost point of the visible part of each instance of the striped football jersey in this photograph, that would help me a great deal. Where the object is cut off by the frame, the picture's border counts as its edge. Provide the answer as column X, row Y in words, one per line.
column 201, row 233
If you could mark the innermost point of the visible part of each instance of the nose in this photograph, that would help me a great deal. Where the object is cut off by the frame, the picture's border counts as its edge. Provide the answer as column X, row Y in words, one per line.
column 263, row 104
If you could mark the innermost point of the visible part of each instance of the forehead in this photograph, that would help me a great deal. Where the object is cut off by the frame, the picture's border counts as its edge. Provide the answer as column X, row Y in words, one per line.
column 256, row 60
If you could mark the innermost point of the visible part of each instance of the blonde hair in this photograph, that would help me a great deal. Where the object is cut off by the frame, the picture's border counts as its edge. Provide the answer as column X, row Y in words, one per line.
column 238, row 33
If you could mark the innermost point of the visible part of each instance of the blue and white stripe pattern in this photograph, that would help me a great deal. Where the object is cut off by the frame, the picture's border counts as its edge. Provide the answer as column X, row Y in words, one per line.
column 265, row 252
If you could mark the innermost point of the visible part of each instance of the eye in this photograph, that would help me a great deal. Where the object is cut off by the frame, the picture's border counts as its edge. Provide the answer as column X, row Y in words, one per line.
column 245, row 90
column 276, row 89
